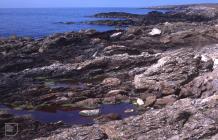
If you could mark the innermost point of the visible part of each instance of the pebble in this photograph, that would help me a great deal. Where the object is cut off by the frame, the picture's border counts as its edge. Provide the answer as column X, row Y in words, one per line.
column 89, row 113
column 116, row 34
column 155, row 31
column 140, row 102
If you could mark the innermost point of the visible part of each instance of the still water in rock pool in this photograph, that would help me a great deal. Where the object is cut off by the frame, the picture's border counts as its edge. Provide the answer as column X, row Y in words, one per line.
column 72, row 116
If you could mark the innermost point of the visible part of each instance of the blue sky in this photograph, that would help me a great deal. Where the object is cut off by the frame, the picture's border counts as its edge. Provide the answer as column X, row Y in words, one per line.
column 93, row 3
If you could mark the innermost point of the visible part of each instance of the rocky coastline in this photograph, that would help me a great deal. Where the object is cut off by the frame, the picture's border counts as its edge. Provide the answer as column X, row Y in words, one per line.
column 161, row 73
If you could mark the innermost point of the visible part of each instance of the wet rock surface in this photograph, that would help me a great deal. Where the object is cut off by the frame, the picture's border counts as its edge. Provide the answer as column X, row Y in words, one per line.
column 185, row 119
column 168, row 79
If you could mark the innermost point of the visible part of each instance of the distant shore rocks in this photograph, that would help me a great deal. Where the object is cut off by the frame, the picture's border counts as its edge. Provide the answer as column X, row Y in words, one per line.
column 122, row 19
column 118, row 23
column 116, row 15
column 67, row 22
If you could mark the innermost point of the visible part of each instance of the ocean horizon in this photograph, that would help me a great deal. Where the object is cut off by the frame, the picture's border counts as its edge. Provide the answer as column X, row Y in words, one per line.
column 40, row 22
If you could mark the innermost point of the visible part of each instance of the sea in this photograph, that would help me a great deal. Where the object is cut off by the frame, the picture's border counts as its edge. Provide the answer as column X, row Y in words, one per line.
column 40, row 22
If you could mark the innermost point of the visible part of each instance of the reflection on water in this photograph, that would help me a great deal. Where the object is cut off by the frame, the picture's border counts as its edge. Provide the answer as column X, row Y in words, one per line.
column 72, row 116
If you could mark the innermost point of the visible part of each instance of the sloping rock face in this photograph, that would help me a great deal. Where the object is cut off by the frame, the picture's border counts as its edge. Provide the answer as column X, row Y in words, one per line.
column 205, row 86
column 171, row 72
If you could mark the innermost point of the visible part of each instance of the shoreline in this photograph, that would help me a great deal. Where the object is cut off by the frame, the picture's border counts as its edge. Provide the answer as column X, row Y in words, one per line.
column 172, row 7
column 64, row 20
column 161, row 73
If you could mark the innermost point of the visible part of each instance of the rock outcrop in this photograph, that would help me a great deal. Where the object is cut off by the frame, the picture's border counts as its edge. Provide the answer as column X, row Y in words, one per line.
column 165, row 81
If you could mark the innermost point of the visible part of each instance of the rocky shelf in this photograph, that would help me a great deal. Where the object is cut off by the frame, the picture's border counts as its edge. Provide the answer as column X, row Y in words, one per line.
column 155, row 80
